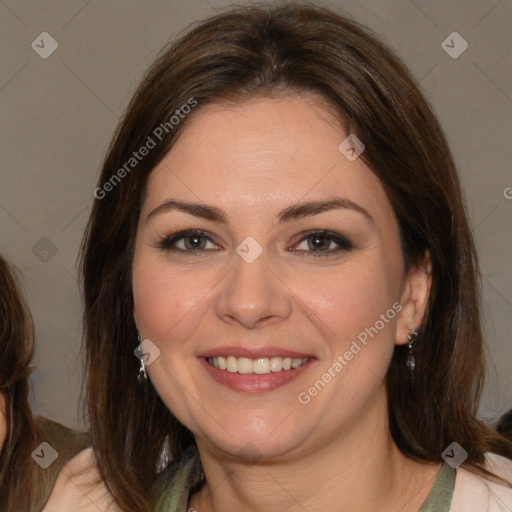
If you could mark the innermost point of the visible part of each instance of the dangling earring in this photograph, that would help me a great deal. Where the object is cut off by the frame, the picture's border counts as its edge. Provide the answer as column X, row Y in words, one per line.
column 413, row 338
column 142, row 369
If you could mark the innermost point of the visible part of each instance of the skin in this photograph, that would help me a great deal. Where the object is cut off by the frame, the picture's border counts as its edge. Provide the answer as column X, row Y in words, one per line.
column 253, row 160
column 78, row 488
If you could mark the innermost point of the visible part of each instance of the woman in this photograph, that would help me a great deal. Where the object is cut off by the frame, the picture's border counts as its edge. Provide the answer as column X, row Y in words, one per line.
column 17, row 429
column 28, row 468
column 279, row 237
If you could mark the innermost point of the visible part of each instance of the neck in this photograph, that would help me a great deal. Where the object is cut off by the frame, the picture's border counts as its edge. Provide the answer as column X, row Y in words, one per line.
column 359, row 468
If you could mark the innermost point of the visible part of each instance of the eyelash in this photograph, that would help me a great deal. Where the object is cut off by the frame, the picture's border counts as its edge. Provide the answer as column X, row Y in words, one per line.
column 168, row 243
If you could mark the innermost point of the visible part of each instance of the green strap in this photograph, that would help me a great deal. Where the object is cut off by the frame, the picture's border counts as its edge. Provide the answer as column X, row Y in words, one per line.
column 178, row 480
column 440, row 497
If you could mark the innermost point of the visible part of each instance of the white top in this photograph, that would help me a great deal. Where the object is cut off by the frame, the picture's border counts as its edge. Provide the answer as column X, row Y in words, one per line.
column 474, row 493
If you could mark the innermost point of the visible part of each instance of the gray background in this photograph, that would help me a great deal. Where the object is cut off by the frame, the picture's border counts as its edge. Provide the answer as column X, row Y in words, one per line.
column 58, row 115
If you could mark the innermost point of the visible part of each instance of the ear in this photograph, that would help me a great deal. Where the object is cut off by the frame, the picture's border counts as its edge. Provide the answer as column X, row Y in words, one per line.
column 414, row 298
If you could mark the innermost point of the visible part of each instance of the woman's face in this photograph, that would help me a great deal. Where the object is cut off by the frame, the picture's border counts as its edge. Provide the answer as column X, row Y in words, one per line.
column 267, row 275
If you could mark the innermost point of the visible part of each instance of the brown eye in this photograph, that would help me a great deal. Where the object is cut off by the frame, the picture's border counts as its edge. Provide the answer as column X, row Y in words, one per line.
column 194, row 242
column 186, row 241
column 320, row 243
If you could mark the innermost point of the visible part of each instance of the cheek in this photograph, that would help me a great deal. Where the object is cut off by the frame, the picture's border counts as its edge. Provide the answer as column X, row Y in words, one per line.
column 163, row 296
column 351, row 297
column 355, row 305
column 166, row 305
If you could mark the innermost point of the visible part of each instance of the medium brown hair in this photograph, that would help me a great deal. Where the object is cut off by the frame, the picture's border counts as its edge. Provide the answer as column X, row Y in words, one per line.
column 16, row 348
column 304, row 50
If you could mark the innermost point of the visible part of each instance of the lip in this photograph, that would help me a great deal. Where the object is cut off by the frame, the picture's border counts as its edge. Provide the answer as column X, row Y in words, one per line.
column 252, row 383
column 254, row 353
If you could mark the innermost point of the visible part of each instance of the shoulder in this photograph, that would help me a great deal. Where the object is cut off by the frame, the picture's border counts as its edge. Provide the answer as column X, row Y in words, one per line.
column 476, row 493
column 499, row 465
column 60, row 445
column 79, row 487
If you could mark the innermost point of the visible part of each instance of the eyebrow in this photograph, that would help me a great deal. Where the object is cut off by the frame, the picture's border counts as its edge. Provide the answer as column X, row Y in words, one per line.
column 294, row 212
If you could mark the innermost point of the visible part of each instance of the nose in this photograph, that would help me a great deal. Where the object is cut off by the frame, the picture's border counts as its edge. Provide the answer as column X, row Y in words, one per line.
column 253, row 295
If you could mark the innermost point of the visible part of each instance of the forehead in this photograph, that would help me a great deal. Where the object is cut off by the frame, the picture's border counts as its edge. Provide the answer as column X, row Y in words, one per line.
column 263, row 154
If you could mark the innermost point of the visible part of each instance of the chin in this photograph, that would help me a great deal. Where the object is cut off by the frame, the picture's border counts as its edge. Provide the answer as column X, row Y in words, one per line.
column 262, row 439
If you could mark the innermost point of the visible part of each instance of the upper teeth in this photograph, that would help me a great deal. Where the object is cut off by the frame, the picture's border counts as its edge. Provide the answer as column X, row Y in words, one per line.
column 259, row 366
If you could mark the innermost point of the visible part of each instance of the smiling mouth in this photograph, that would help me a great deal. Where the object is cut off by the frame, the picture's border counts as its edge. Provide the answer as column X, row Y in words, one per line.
column 259, row 366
